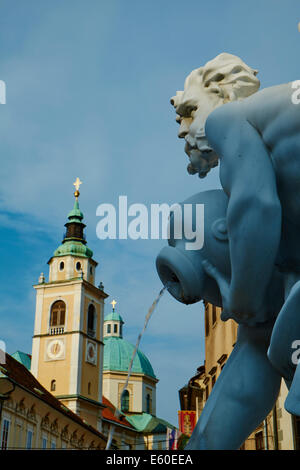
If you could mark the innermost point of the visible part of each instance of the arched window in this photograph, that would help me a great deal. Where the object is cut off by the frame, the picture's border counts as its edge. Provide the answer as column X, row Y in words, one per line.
column 78, row 266
column 53, row 385
column 61, row 266
column 125, row 401
column 58, row 313
column 148, row 403
column 91, row 320
column 108, row 329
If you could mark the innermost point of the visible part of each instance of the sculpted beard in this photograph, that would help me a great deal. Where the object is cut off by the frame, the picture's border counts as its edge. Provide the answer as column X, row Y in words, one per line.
column 202, row 157
column 224, row 79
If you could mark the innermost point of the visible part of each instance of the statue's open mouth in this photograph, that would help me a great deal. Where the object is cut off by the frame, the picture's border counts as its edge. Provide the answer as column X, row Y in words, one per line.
column 177, row 271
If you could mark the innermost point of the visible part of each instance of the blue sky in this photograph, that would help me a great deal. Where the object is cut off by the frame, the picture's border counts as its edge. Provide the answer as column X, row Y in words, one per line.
column 88, row 89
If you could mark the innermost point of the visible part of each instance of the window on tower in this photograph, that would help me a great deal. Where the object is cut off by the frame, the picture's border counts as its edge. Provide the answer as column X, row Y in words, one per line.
column 58, row 314
column 148, row 403
column 108, row 329
column 61, row 266
column 53, row 385
column 78, row 266
column 91, row 320
column 125, row 401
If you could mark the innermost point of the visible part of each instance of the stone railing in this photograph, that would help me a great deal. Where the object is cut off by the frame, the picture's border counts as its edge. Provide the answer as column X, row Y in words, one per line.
column 56, row 330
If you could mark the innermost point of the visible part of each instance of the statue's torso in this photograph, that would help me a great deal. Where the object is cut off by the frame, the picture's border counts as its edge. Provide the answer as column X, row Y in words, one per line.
column 276, row 118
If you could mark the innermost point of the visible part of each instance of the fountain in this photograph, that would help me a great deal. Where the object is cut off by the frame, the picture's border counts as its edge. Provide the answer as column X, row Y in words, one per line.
column 250, row 262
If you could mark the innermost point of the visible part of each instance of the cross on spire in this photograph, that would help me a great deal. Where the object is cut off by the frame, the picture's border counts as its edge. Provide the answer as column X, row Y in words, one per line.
column 77, row 184
column 113, row 303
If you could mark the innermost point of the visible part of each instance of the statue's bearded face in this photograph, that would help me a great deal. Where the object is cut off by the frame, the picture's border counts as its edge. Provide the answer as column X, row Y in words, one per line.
column 226, row 78
column 192, row 111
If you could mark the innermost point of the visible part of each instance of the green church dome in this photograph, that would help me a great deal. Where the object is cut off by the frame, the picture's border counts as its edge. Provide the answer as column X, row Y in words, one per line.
column 73, row 247
column 117, row 356
column 113, row 316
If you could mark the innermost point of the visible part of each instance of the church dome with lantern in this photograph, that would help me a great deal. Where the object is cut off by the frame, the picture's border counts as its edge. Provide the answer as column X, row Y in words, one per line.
column 118, row 351
column 140, row 394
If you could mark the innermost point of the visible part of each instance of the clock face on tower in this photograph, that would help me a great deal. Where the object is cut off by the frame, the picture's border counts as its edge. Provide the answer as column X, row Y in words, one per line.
column 55, row 349
column 91, row 352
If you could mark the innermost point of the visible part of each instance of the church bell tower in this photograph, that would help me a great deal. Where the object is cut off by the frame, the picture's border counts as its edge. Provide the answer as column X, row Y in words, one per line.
column 67, row 348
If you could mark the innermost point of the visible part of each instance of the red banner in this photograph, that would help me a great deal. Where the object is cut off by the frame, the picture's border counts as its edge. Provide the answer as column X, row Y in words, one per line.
column 187, row 421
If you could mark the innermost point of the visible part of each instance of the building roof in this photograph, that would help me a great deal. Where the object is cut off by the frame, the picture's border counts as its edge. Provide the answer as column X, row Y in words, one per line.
column 73, row 248
column 23, row 358
column 109, row 414
column 147, row 423
column 18, row 374
column 118, row 354
column 113, row 316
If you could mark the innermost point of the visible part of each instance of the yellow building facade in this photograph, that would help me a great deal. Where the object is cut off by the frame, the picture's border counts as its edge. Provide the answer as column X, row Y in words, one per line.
column 32, row 418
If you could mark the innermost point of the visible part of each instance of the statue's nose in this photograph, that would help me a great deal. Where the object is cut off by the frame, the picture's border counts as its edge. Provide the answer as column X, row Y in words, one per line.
column 183, row 130
column 182, row 134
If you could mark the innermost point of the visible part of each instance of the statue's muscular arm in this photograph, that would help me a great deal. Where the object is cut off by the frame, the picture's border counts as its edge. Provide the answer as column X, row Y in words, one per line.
column 254, row 210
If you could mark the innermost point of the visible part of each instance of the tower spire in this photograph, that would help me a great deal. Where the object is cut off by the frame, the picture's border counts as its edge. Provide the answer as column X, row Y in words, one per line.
column 74, row 239
column 74, row 225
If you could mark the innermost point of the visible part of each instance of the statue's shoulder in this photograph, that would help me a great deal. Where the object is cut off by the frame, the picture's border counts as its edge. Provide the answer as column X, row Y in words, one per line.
column 272, row 93
column 270, row 105
column 223, row 118
column 270, row 98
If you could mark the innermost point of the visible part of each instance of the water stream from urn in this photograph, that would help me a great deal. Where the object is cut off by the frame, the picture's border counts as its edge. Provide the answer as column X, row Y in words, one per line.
column 147, row 318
